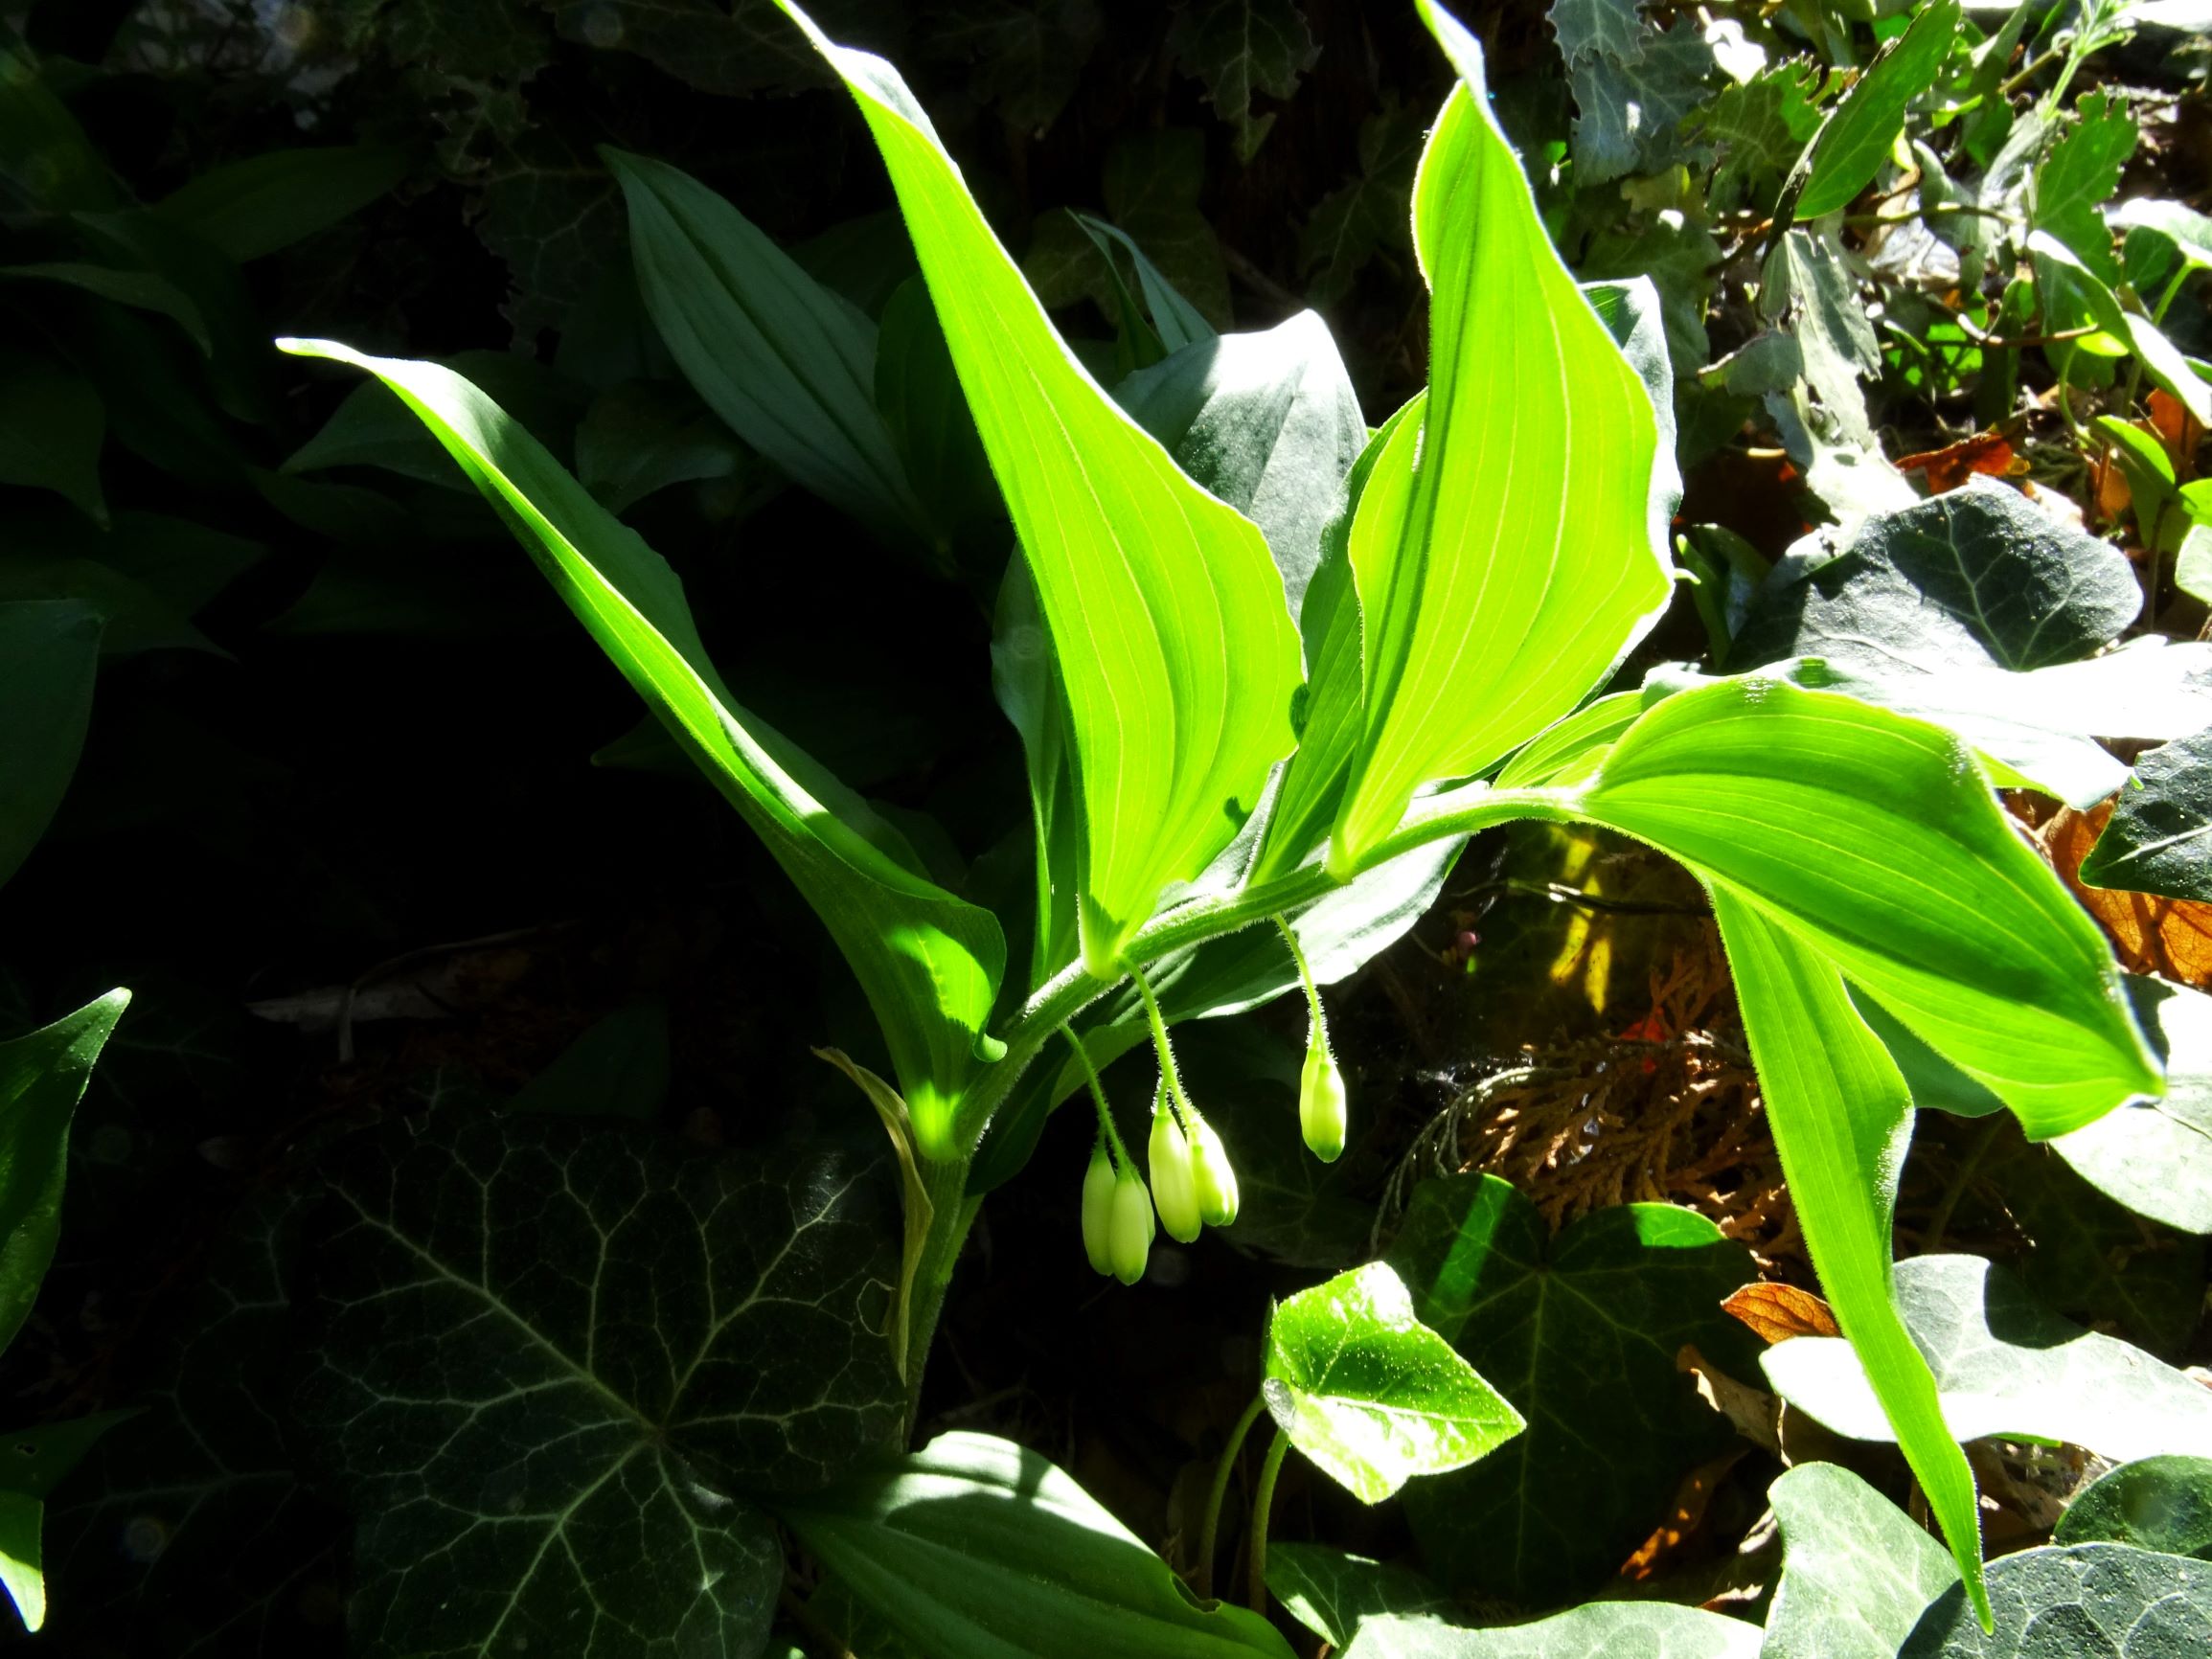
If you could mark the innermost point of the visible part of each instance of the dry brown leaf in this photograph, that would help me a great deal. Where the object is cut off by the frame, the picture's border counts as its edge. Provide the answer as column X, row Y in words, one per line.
column 1752, row 1412
column 1777, row 1312
column 2177, row 430
column 1692, row 1499
column 2168, row 937
column 1951, row 467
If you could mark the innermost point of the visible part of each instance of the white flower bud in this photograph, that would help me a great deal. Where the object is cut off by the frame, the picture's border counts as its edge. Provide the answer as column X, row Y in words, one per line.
column 1098, row 1208
column 1168, row 1159
column 1211, row 1176
column 1129, row 1232
column 1322, row 1109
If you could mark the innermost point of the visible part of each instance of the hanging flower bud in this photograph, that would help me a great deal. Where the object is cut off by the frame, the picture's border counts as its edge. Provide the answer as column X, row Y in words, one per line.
column 1175, row 1190
column 1211, row 1176
column 1130, row 1231
column 1098, row 1208
column 1321, row 1104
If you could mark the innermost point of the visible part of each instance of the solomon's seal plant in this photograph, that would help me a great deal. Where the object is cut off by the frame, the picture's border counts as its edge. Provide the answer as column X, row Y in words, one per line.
column 1254, row 740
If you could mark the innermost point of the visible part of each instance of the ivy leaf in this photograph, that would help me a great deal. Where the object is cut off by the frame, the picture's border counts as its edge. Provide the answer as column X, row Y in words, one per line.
column 2155, row 1157
column 1239, row 47
column 1372, row 1394
column 1628, row 109
column 1332, row 1593
column 2004, row 1366
column 2089, row 1601
column 689, row 1333
column 1027, row 57
column 1856, row 1573
column 2159, row 839
column 734, row 48
column 1977, row 576
column 1597, row 28
column 2079, row 175
column 1356, row 222
column 1808, row 288
column 1596, row 1631
column 1580, row 1333
column 1759, row 126
column 2158, row 1503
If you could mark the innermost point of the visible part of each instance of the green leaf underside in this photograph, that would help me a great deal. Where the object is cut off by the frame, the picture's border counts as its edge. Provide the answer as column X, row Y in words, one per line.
column 2004, row 1366
column 1176, row 649
column 1512, row 566
column 2092, row 1602
column 1332, row 1593
column 1596, row 1631
column 1856, row 1573
column 1872, row 839
column 1369, row 1393
column 42, row 1076
column 929, row 962
column 2156, row 1503
column 1842, row 1118
column 1581, row 1334
column 2159, row 839
column 555, row 1368
column 1849, row 147
column 981, row 1549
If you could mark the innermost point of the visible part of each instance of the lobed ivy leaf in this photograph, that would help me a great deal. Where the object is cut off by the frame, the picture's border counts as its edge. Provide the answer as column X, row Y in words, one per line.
column 1856, row 1573
column 1759, row 127
column 1369, row 1393
column 1238, row 48
column 1332, row 1593
column 2155, row 1503
column 1580, row 1333
column 1365, row 219
column 2005, row 1366
column 1628, row 108
column 2159, row 839
column 556, row 1368
column 1595, row 1630
column 1027, row 57
column 2091, row 1600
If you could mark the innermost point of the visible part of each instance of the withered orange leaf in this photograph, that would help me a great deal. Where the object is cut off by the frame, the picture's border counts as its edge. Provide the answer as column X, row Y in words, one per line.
column 2177, row 430
column 1777, row 1312
column 2168, row 937
column 1951, row 467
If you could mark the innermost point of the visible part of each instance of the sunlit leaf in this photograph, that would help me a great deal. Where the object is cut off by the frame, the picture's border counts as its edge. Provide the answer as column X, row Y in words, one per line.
column 2106, row 1600
column 1866, row 120
column 2156, row 1503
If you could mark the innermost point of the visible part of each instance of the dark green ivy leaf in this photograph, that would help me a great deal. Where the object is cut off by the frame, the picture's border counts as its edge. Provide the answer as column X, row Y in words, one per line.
column 1330, row 1592
column 1239, row 47
column 1759, row 127
column 1595, row 1630
column 2160, row 1503
column 553, row 1362
column 2089, row 1601
column 2159, row 839
column 1580, row 1333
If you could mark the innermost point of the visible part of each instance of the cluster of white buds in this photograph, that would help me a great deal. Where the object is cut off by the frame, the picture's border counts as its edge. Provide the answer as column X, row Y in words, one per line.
column 1194, row 1183
column 1117, row 1215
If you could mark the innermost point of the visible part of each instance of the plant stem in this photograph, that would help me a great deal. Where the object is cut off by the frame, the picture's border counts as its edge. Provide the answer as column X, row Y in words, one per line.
column 952, row 1212
column 1171, row 1080
column 1263, row 1501
column 1931, row 1241
column 1106, row 1117
column 1210, row 1530
column 1317, row 1031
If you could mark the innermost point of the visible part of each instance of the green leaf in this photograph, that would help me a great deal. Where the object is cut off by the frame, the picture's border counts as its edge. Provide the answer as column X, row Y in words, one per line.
column 1761, row 126
column 1239, row 47
column 2155, row 1157
column 1505, row 576
column 2188, row 235
column 258, row 206
column 2092, row 1602
column 2159, row 839
column 976, row 1548
column 1174, row 647
column 1597, row 1630
column 2074, row 296
column 142, row 290
column 642, row 436
column 1842, row 1119
column 1332, row 1593
column 1372, row 1394
column 1872, row 839
column 1976, row 576
column 44, row 152
column 618, row 1068
column 689, row 1331
column 1358, row 222
column 374, row 428
column 929, row 961
column 1628, row 108
column 1849, row 147
column 1027, row 57
column 2157, row 1503
column 1856, row 1573
column 1808, row 286
column 1268, row 422
column 42, row 1076
column 52, row 426
column 787, row 364
column 2005, row 1366
column 1581, row 1334
column 132, row 617
column 36, row 1458
column 1593, row 28
column 918, row 392
column 2080, row 174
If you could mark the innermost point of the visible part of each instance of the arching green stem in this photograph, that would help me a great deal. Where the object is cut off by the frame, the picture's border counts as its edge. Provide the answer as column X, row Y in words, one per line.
column 1223, row 1472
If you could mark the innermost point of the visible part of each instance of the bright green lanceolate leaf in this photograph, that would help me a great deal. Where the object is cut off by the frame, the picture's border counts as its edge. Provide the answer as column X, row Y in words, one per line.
column 929, row 961
column 49, row 655
column 788, row 364
column 1174, row 647
column 42, row 1076
column 1580, row 1333
column 1372, row 1394
column 1842, row 1118
column 2091, row 1601
column 32, row 1460
column 1857, row 1571
column 374, row 428
column 1505, row 572
column 976, row 1548
column 2157, row 1503
column 265, row 203
column 1850, row 145
column 1596, row 1631
column 1332, row 1593
column 2159, row 839
column 1874, row 840
column 2005, row 1366
column 556, row 1370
